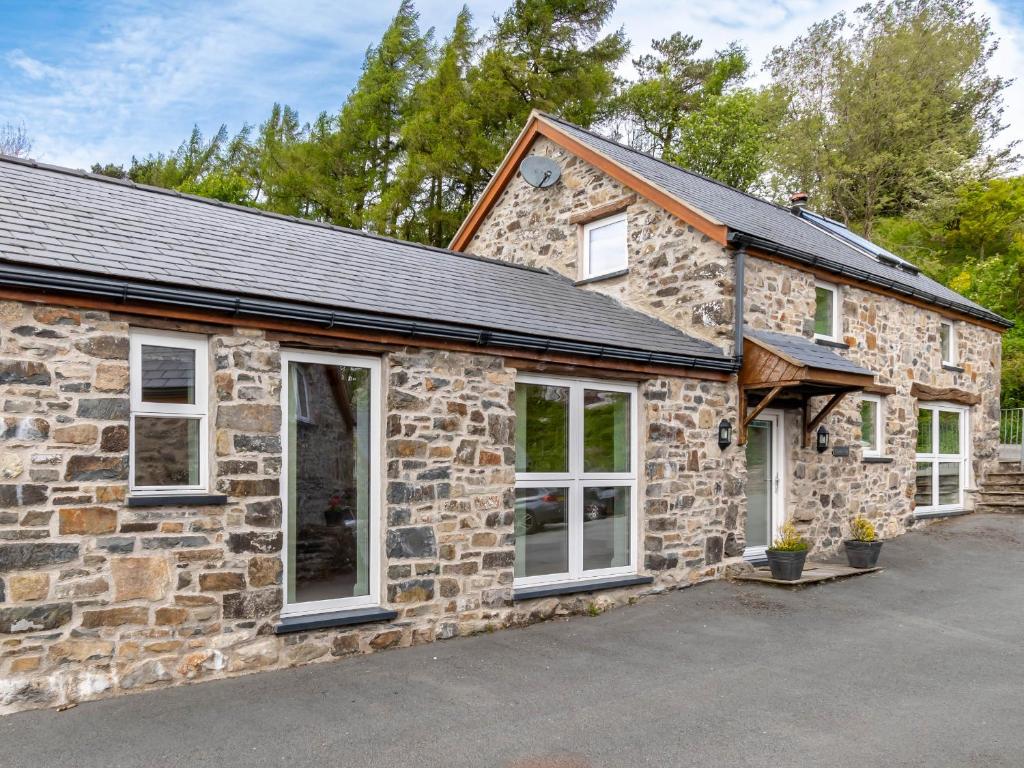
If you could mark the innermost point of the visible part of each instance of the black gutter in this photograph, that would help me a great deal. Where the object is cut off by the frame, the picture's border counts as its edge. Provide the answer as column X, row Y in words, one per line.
column 740, row 239
column 24, row 277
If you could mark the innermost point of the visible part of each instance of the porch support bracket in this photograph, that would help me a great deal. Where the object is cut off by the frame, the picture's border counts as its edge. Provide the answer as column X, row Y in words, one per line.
column 812, row 424
column 746, row 418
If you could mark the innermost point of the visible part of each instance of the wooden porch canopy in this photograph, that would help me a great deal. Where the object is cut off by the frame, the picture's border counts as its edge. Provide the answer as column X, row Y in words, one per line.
column 790, row 370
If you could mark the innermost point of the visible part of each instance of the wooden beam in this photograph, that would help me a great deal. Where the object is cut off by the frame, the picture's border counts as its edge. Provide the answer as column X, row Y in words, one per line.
column 600, row 211
column 765, row 402
column 948, row 394
column 741, row 413
column 813, row 424
column 880, row 389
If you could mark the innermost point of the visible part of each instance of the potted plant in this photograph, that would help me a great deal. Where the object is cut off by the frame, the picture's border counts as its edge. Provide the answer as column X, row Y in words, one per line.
column 334, row 512
column 863, row 546
column 787, row 554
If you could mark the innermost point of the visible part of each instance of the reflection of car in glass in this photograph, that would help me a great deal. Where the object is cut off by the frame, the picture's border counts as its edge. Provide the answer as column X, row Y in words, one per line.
column 545, row 506
column 598, row 503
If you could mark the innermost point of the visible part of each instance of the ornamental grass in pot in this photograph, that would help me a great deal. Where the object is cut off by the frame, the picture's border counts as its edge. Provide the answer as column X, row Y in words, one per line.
column 787, row 554
column 863, row 546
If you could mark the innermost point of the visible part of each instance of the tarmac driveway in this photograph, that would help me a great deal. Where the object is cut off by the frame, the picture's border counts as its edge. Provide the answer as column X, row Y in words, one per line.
column 920, row 665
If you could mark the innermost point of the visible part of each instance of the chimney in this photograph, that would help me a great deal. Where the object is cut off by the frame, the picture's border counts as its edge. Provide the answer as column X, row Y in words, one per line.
column 797, row 202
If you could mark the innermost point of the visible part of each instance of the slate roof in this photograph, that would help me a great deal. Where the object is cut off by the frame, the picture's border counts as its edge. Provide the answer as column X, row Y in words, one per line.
column 806, row 352
column 72, row 221
column 751, row 215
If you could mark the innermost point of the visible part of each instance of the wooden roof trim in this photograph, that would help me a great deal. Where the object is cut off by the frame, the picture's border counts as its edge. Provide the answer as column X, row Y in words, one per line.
column 322, row 337
column 775, row 351
column 931, row 394
column 536, row 126
column 832, row 277
column 794, row 372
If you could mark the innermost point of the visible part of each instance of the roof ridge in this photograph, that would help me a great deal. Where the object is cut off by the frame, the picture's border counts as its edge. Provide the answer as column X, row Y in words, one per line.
column 665, row 162
column 98, row 177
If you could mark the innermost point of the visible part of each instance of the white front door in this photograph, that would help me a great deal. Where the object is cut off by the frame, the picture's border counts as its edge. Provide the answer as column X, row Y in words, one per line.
column 942, row 457
column 765, row 483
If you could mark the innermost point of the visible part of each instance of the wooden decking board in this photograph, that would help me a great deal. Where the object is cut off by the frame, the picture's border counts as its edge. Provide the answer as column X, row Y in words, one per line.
column 814, row 573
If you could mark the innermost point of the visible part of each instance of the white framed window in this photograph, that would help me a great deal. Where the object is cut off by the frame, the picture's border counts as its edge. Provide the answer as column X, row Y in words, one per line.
column 604, row 246
column 942, row 457
column 331, row 481
column 826, row 311
column 576, row 480
column 947, row 342
column 169, row 436
column 872, row 424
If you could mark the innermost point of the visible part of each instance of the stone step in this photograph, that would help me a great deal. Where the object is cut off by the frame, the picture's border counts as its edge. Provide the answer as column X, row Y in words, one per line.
column 1004, row 478
column 998, row 509
column 1000, row 496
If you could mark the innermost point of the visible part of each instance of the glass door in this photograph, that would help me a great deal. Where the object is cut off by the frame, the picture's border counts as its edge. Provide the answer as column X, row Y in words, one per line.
column 764, row 483
column 330, row 439
column 941, row 458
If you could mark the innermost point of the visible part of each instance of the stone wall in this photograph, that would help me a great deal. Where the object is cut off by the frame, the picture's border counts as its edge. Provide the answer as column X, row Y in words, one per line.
column 98, row 597
column 899, row 342
column 675, row 273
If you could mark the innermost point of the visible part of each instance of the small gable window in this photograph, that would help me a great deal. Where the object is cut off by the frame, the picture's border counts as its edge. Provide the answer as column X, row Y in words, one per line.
column 947, row 342
column 604, row 246
column 826, row 311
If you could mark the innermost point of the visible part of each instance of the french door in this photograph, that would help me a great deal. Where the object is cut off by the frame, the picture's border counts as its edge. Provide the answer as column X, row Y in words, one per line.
column 941, row 457
column 765, row 481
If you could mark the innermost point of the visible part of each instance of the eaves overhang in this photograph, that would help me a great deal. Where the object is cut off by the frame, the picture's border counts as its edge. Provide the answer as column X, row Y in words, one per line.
column 26, row 278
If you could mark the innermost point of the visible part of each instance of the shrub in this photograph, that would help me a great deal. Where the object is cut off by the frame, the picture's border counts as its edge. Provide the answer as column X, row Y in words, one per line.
column 862, row 529
column 790, row 541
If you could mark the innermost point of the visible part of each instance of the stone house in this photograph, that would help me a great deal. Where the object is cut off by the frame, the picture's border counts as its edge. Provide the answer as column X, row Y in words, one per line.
column 235, row 441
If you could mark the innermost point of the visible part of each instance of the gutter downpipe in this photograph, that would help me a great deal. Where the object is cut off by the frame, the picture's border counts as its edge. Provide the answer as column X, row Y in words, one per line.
column 741, row 271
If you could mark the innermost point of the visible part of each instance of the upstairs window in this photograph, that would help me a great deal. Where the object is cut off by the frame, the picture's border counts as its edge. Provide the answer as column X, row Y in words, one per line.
column 826, row 311
column 168, row 412
column 604, row 246
column 872, row 425
column 947, row 342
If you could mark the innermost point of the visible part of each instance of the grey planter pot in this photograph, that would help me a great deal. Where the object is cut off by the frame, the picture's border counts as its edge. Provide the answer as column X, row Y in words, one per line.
column 862, row 554
column 786, row 566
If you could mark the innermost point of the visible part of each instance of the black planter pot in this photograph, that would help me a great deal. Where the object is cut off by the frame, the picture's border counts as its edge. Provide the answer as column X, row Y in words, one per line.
column 862, row 554
column 786, row 566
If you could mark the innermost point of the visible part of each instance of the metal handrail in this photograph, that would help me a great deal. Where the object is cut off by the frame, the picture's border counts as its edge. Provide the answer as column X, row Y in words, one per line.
column 1011, row 431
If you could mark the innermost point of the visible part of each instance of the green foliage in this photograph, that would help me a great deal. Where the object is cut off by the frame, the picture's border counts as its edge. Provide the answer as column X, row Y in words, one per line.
column 673, row 84
column 862, row 529
column 888, row 111
column 789, row 541
column 729, row 137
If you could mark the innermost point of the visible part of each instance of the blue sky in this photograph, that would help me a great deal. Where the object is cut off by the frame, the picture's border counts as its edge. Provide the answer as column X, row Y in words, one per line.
column 101, row 80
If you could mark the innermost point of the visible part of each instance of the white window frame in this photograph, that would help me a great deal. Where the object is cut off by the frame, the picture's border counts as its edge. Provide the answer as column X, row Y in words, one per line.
column 879, row 402
column 952, row 342
column 305, row 417
column 138, row 338
column 604, row 221
column 836, row 318
column 372, row 599
column 935, row 458
column 575, row 480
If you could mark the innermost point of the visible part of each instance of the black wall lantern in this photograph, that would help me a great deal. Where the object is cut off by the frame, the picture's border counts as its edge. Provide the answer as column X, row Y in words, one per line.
column 822, row 438
column 724, row 434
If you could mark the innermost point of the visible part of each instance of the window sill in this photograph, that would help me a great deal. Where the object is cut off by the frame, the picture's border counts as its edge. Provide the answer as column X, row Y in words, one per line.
column 937, row 515
column 876, row 460
column 572, row 587
column 606, row 276
column 333, row 619
column 832, row 343
column 177, row 500
column 953, row 368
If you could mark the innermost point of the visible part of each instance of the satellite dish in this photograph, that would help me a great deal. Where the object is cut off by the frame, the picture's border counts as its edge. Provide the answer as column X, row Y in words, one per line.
column 540, row 172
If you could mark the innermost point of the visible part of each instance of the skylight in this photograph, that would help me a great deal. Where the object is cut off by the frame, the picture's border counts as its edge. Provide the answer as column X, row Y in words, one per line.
column 872, row 249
